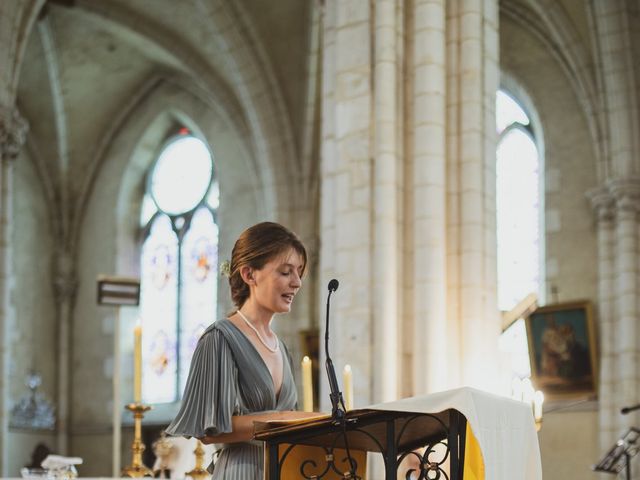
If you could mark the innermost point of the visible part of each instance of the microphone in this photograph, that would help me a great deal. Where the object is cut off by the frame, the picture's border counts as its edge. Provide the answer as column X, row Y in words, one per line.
column 337, row 402
column 626, row 410
column 338, row 410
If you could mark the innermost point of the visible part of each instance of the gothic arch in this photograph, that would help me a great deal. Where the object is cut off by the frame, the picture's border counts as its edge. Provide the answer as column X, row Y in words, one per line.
column 616, row 75
column 157, row 96
column 550, row 24
column 254, row 94
column 127, row 152
column 16, row 24
column 509, row 82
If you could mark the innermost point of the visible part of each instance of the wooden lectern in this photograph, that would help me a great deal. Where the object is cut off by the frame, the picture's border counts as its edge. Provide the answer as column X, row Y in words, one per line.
column 315, row 449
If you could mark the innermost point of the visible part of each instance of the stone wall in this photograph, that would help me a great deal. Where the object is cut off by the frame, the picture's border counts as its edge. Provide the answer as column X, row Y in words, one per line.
column 33, row 329
column 536, row 78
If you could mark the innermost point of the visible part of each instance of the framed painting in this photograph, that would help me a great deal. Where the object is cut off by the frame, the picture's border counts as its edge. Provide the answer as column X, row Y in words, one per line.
column 562, row 350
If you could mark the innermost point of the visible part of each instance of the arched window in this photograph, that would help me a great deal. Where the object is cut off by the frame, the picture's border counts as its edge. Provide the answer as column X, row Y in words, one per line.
column 178, row 263
column 519, row 233
column 518, row 182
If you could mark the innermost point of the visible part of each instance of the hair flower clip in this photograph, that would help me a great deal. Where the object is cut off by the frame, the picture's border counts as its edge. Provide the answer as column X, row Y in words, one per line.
column 225, row 268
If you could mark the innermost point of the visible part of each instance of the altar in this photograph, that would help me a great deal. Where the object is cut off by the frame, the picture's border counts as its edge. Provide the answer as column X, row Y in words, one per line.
column 486, row 437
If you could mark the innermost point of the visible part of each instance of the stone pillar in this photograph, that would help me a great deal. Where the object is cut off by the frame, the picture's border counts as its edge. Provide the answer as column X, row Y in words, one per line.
column 456, row 78
column 386, row 184
column 604, row 207
column 618, row 232
column 64, row 286
column 346, row 189
column 615, row 41
column 626, row 194
column 431, row 319
column 478, row 81
column 13, row 130
column 617, row 205
column 407, row 194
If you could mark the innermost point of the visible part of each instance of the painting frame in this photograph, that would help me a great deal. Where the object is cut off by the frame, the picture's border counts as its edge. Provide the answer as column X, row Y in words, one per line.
column 563, row 350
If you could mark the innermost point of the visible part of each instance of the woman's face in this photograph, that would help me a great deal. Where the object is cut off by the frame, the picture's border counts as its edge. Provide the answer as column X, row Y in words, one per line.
column 274, row 285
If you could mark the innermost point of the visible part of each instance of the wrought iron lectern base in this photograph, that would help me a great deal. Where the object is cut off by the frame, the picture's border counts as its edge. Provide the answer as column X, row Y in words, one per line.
column 432, row 439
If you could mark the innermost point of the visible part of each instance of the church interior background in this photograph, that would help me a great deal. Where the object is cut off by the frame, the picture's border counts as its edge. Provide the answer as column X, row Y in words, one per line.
column 446, row 160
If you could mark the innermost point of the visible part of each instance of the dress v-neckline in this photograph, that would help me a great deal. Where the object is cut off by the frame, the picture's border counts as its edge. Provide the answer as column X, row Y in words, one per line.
column 276, row 393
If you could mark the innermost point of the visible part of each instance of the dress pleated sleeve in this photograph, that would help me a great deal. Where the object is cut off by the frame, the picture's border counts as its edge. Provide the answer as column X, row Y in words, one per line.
column 210, row 395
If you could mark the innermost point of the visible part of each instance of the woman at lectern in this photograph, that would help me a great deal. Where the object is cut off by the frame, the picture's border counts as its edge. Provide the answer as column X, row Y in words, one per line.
column 241, row 372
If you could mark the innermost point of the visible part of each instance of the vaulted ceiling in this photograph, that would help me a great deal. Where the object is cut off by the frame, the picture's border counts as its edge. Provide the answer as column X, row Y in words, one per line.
column 86, row 61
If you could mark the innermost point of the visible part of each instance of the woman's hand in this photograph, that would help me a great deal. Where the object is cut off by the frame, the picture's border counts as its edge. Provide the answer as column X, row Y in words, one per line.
column 298, row 415
column 243, row 428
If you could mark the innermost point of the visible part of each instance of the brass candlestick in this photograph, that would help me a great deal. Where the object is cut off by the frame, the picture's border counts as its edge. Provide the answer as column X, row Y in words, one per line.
column 198, row 473
column 137, row 469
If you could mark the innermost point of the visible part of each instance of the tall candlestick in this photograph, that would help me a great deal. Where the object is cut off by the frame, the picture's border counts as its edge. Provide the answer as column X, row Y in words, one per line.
column 348, row 386
column 137, row 364
column 307, row 385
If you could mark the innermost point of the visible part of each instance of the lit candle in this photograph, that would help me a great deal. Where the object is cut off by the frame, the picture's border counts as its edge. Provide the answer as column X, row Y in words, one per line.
column 137, row 364
column 307, row 385
column 348, row 386
column 538, row 400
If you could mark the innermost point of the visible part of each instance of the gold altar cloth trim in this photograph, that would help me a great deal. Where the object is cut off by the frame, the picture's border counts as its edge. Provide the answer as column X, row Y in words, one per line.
column 503, row 444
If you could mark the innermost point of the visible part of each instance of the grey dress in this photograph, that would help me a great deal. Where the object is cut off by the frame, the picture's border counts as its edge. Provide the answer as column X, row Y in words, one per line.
column 229, row 377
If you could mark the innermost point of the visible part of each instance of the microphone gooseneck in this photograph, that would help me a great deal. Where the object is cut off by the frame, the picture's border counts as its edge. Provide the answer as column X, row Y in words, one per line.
column 338, row 410
column 332, row 287
column 337, row 403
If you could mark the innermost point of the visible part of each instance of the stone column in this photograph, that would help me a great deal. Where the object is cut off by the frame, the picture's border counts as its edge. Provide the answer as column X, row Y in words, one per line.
column 618, row 237
column 64, row 285
column 478, row 80
column 13, row 130
column 386, row 183
column 626, row 387
column 346, row 190
column 431, row 319
column 454, row 247
column 604, row 207
column 615, row 42
column 415, row 298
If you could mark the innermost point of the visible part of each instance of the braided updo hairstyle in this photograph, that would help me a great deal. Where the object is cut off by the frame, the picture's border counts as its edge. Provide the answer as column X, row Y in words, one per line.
column 255, row 247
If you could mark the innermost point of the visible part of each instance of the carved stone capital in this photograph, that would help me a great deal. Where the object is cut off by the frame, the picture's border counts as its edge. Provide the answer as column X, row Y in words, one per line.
column 13, row 133
column 603, row 203
column 626, row 194
column 65, row 280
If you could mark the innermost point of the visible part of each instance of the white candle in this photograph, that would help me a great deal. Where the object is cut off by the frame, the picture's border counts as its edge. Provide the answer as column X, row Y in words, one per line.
column 137, row 364
column 307, row 385
column 348, row 386
column 538, row 400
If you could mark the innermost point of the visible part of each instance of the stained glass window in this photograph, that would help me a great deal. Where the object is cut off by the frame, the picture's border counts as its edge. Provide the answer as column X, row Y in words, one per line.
column 178, row 264
column 157, row 310
column 199, row 284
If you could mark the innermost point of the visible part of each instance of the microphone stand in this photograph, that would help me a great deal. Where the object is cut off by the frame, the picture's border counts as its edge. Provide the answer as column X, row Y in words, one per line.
column 338, row 410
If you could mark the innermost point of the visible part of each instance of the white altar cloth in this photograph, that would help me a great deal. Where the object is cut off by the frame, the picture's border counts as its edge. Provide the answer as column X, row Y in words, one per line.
column 504, row 429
